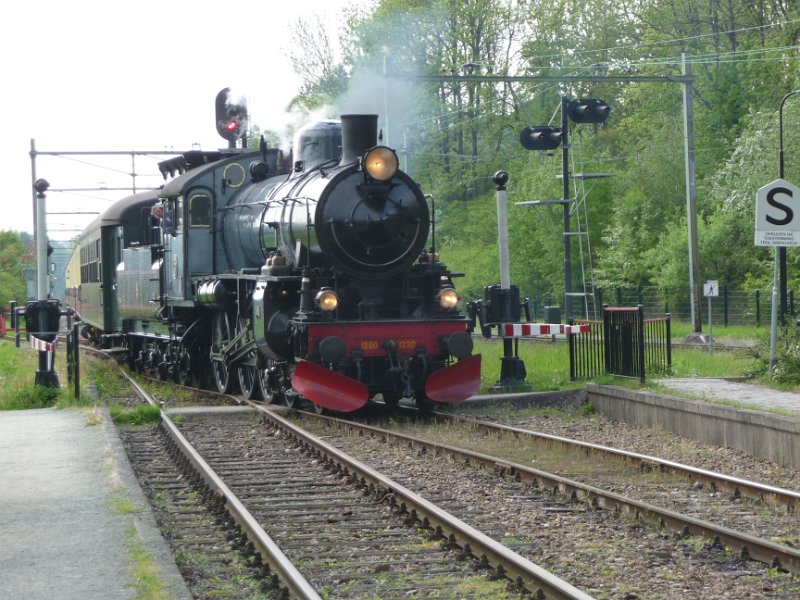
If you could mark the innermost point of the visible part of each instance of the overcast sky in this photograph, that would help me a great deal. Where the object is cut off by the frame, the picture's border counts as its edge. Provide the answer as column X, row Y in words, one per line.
column 105, row 75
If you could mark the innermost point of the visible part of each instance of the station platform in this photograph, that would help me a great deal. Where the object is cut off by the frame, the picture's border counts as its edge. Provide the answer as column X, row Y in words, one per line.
column 739, row 391
column 74, row 524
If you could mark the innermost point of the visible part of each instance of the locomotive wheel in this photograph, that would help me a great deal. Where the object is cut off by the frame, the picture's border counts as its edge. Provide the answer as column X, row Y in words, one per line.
column 292, row 400
column 266, row 383
column 391, row 398
column 198, row 378
column 221, row 333
column 131, row 354
column 199, row 367
column 161, row 364
column 183, row 367
column 248, row 382
column 248, row 374
column 221, row 376
column 424, row 404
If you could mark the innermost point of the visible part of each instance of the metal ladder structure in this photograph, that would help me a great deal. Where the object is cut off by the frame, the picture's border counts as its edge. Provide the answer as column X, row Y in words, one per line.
column 578, row 209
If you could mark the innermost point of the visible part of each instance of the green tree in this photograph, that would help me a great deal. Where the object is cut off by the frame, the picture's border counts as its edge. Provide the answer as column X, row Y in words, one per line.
column 14, row 256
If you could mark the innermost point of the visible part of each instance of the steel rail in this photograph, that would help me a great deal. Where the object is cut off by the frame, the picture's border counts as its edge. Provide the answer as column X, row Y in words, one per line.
column 294, row 581
column 735, row 485
column 506, row 562
column 766, row 551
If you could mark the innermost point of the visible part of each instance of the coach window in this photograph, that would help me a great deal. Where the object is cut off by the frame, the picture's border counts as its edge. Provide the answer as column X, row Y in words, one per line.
column 99, row 262
column 200, row 211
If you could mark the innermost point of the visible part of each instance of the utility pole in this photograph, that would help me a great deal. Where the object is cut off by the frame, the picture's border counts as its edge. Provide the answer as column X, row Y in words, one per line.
column 691, row 197
column 782, row 249
column 566, row 207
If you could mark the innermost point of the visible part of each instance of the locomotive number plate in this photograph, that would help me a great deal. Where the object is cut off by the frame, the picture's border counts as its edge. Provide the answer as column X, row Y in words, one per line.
column 408, row 344
column 405, row 345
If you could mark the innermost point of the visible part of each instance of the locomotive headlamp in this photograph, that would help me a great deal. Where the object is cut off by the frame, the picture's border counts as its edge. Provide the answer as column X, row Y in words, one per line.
column 380, row 163
column 326, row 300
column 448, row 298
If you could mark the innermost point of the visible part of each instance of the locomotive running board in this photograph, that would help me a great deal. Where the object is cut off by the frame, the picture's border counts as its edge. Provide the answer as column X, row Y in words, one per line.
column 457, row 382
column 329, row 389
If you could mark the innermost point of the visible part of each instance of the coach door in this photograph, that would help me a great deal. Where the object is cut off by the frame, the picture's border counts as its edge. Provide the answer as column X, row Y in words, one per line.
column 111, row 244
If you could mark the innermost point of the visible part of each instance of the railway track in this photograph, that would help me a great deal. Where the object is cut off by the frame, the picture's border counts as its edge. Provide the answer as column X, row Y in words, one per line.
column 565, row 501
column 350, row 530
column 589, row 453
column 727, row 553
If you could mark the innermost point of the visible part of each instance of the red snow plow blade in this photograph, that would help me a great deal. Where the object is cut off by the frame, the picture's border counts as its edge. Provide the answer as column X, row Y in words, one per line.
column 328, row 388
column 456, row 383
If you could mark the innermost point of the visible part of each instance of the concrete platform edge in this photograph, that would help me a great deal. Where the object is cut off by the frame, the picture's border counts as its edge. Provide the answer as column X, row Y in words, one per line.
column 143, row 519
column 705, row 422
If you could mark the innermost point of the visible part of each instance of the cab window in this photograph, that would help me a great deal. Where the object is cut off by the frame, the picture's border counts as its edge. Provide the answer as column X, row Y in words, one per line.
column 199, row 210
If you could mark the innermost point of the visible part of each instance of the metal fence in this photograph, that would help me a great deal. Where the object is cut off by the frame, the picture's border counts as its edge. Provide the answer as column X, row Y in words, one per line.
column 733, row 306
column 624, row 343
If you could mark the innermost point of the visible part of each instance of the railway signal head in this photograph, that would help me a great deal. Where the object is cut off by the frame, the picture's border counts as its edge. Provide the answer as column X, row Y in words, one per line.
column 231, row 112
column 588, row 110
column 541, row 138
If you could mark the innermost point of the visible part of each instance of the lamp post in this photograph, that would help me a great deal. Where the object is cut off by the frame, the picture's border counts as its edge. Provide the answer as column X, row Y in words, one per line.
column 782, row 249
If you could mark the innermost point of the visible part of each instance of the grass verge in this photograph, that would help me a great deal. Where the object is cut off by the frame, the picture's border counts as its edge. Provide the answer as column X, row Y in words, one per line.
column 136, row 415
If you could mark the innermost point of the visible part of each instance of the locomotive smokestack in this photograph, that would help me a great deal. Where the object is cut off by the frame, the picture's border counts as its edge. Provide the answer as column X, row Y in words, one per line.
column 359, row 134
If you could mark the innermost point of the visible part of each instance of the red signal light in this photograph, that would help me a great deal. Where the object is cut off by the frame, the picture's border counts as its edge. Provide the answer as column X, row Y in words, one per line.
column 231, row 115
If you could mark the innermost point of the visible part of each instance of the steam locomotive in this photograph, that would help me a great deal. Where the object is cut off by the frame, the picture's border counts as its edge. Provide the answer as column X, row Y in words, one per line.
column 309, row 278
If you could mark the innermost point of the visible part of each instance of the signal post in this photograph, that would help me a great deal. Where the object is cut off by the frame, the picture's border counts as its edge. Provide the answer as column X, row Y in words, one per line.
column 43, row 314
column 503, row 301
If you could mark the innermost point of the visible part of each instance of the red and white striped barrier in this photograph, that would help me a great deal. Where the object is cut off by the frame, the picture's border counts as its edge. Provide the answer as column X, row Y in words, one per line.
column 42, row 346
column 536, row 329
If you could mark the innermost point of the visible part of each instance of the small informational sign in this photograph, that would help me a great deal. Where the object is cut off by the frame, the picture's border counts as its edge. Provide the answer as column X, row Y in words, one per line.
column 711, row 289
column 778, row 214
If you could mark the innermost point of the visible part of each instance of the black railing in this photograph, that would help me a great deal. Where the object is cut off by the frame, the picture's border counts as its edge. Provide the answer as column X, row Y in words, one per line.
column 624, row 344
column 586, row 355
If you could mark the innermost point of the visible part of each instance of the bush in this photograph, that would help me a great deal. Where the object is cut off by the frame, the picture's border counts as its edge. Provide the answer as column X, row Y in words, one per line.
column 787, row 354
column 33, row 397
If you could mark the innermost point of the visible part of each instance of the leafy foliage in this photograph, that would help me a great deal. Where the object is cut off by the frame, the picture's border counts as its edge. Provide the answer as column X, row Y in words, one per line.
column 14, row 256
column 454, row 129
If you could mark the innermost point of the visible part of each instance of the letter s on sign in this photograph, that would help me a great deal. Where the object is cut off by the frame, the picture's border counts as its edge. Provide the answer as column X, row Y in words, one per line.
column 773, row 202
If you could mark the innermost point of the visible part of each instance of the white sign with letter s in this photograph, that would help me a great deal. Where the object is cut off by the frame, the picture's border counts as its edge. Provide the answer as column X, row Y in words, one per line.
column 778, row 214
